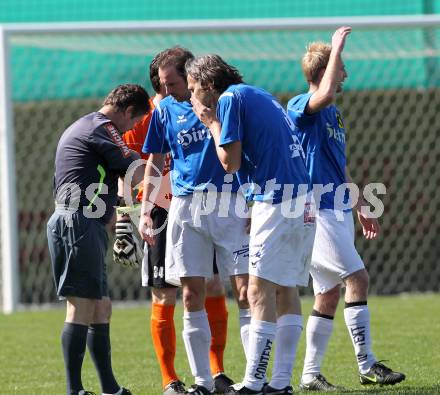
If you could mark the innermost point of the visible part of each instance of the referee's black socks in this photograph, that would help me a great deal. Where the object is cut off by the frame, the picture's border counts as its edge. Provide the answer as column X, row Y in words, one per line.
column 98, row 343
column 73, row 341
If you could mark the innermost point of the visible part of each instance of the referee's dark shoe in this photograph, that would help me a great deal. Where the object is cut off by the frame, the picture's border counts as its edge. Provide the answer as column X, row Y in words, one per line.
column 380, row 374
column 221, row 383
column 125, row 391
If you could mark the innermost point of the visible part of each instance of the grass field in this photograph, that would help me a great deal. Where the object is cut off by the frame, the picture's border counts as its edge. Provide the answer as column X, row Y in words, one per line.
column 406, row 332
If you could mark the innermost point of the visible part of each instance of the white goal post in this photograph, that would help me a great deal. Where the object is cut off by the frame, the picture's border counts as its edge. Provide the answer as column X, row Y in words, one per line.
column 8, row 206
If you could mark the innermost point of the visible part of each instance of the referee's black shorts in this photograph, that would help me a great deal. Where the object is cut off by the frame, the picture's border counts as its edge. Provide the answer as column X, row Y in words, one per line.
column 156, row 253
column 77, row 247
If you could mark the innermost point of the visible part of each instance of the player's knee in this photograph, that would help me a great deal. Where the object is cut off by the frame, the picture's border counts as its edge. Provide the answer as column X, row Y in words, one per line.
column 366, row 280
column 80, row 311
column 214, row 287
column 256, row 296
column 358, row 282
column 242, row 297
column 103, row 311
column 193, row 298
column 164, row 296
column 239, row 285
column 331, row 298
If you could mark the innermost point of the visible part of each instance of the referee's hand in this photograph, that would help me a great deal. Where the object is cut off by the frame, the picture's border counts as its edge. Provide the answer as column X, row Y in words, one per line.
column 127, row 250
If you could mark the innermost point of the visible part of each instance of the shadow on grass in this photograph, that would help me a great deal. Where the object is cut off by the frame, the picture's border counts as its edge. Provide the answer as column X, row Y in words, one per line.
column 398, row 390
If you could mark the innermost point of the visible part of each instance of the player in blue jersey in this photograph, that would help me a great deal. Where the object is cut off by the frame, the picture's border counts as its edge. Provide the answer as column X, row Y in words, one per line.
column 254, row 137
column 163, row 295
column 335, row 261
column 202, row 216
column 90, row 157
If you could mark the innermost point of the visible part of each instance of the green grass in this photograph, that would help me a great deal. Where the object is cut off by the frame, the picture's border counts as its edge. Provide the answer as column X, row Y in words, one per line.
column 406, row 331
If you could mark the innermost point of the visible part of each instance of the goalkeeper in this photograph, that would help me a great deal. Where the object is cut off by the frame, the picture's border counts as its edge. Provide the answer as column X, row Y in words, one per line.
column 153, row 271
column 90, row 157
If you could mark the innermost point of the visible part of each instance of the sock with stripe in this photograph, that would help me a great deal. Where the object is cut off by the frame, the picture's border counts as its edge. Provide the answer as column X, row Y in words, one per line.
column 318, row 332
column 357, row 320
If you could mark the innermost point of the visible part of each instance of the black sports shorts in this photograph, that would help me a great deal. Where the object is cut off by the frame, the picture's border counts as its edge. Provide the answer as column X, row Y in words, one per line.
column 77, row 247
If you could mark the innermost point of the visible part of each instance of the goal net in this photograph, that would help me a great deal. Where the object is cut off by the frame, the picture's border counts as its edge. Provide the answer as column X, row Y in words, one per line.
column 390, row 105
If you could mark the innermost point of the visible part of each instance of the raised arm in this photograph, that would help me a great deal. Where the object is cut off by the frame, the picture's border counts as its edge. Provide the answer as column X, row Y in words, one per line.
column 326, row 90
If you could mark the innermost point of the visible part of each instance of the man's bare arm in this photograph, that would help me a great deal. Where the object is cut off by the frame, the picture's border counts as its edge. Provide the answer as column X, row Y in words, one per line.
column 326, row 92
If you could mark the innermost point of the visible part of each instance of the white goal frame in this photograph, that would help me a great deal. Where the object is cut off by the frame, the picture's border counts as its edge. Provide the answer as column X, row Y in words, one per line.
column 8, row 207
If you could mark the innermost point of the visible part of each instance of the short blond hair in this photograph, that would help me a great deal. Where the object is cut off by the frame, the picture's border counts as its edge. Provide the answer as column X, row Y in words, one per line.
column 315, row 59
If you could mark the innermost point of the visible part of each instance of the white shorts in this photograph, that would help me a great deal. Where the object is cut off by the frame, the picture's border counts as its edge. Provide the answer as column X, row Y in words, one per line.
column 334, row 254
column 280, row 248
column 192, row 238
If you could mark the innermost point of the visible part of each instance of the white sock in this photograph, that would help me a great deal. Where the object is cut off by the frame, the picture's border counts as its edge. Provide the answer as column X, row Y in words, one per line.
column 245, row 321
column 318, row 332
column 357, row 319
column 261, row 337
column 197, row 339
column 289, row 328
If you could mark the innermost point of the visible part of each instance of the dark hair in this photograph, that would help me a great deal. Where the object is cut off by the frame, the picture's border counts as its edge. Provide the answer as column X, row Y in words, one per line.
column 127, row 95
column 212, row 69
column 177, row 57
column 154, row 73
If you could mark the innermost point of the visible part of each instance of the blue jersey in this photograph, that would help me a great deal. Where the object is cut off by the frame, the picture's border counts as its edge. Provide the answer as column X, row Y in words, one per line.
column 175, row 128
column 271, row 152
column 322, row 136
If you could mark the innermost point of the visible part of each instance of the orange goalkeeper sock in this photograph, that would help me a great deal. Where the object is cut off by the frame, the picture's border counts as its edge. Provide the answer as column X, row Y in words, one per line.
column 163, row 334
column 218, row 322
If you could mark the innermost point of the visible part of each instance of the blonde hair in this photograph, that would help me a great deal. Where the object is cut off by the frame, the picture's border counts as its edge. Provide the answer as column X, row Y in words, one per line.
column 315, row 59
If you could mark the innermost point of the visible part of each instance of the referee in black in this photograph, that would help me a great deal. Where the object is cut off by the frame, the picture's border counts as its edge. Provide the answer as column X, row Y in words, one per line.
column 90, row 158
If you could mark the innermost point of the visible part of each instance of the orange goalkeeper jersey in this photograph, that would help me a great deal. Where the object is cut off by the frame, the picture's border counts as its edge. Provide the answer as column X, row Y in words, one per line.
column 135, row 138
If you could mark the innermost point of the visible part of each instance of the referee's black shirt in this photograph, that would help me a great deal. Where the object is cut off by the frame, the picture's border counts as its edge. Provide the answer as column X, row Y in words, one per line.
column 90, row 157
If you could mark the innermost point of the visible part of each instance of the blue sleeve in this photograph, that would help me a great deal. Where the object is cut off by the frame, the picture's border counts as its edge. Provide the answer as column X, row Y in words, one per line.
column 155, row 141
column 296, row 110
column 108, row 143
column 229, row 115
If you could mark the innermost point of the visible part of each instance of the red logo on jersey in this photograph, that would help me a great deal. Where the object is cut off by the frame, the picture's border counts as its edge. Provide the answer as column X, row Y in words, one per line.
column 117, row 139
column 167, row 165
column 309, row 214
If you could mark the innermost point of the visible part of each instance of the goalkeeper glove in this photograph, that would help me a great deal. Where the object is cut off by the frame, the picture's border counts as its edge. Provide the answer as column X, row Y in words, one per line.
column 127, row 250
